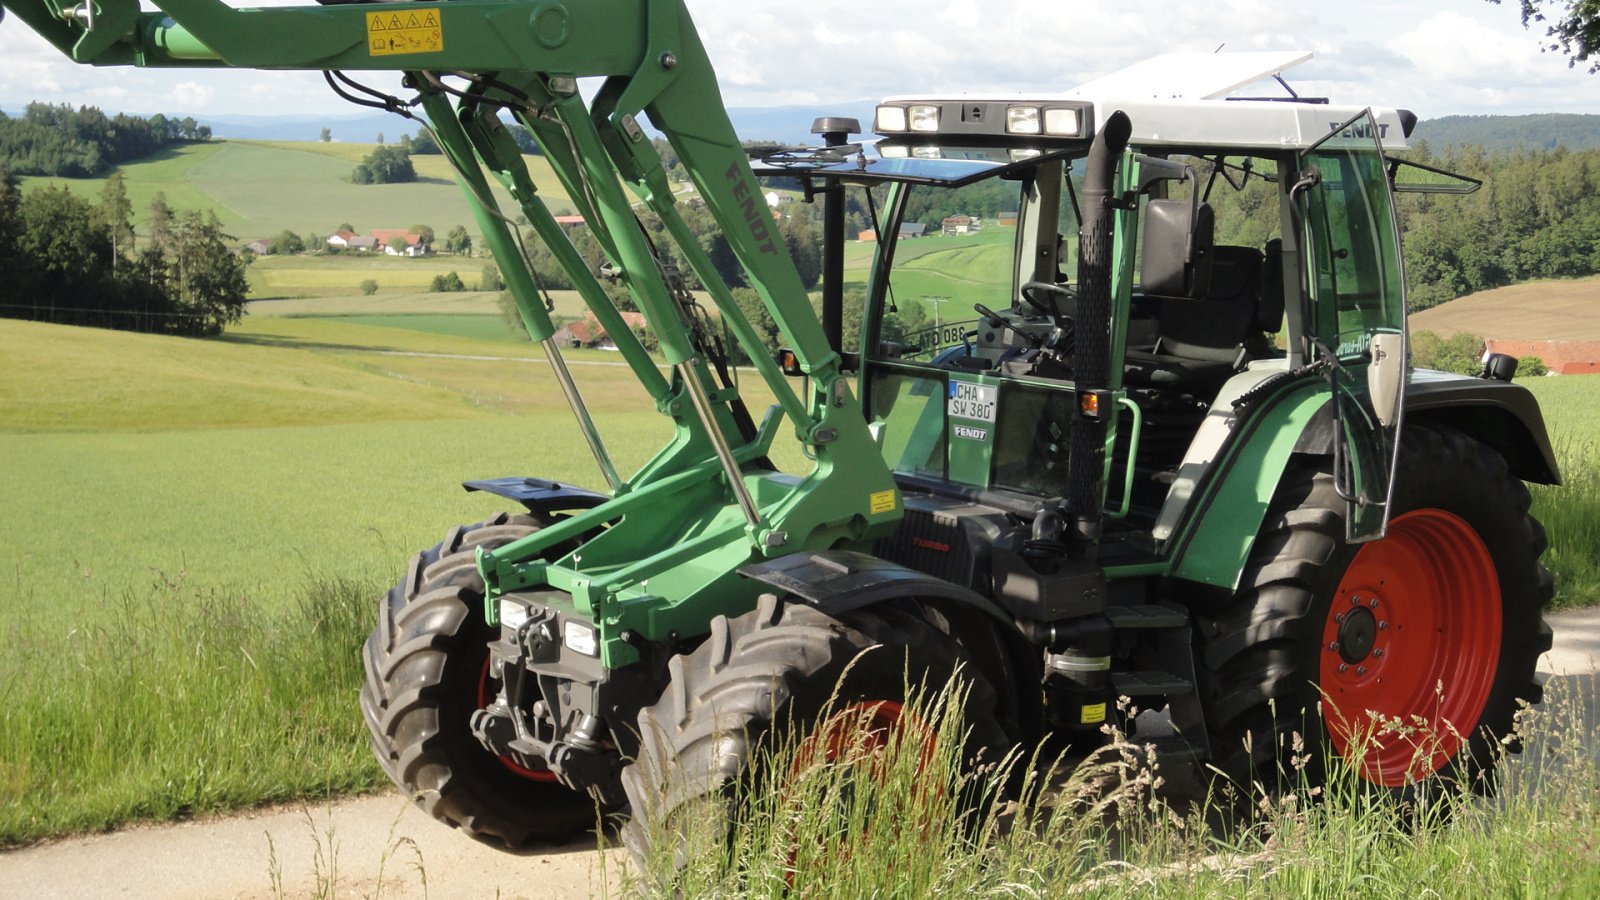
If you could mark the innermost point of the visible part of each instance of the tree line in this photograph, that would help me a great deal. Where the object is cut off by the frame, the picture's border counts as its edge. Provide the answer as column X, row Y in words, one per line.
column 63, row 142
column 1537, row 215
column 69, row 261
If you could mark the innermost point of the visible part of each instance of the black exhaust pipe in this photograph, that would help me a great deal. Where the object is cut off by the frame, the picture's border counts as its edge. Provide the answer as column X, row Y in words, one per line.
column 1092, row 363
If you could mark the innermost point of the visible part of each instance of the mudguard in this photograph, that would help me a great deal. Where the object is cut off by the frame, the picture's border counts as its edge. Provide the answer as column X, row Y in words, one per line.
column 538, row 495
column 838, row 581
column 1501, row 414
column 1222, row 522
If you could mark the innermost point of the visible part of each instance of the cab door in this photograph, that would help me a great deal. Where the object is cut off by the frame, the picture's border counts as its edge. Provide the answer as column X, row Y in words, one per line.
column 1358, row 311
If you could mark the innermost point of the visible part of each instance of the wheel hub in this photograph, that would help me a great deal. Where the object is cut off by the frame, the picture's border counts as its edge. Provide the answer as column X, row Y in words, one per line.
column 1357, row 633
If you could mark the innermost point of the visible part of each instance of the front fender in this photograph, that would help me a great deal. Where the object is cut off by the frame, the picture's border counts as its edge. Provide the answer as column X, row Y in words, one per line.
column 838, row 581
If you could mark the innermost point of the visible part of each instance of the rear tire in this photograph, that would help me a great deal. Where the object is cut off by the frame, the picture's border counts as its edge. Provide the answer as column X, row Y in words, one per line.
column 426, row 671
column 777, row 664
column 1322, row 630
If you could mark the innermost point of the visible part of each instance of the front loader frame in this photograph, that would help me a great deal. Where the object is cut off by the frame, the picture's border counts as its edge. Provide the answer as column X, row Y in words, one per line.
column 708, row 501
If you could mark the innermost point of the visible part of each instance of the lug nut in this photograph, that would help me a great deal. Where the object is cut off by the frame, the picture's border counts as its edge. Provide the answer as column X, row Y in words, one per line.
column 1344, row 667
column 1333, row 645
column 1373, row 603
column 1361, row 670
column 1339, row 617
column 1377, row 654
column 1383, row 625
column 1355, row 599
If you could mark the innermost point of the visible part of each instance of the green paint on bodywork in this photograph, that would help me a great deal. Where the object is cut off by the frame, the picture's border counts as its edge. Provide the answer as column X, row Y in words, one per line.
column 1213, row 544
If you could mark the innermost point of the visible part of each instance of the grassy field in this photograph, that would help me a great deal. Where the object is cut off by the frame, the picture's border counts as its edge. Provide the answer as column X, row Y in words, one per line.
column 259, row 188
column 193, row 509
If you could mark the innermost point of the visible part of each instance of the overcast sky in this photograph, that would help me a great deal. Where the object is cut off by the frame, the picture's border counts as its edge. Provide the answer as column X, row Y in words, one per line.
column 1437, row 57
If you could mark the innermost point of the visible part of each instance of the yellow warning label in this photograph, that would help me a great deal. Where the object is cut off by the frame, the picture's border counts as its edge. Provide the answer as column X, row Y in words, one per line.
column 882, row 502
column 392, row 33
column 1093, row 713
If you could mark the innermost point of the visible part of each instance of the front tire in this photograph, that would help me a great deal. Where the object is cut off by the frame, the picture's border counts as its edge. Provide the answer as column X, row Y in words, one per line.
column 1437, row 625
column 778, row 664
column 427, row 673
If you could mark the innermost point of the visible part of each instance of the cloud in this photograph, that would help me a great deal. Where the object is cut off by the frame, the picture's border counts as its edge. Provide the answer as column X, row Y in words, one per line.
column 1437, row 56
column 191, row 96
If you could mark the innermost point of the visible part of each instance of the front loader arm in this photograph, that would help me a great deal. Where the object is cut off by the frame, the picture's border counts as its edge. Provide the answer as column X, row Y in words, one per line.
column 710, row 488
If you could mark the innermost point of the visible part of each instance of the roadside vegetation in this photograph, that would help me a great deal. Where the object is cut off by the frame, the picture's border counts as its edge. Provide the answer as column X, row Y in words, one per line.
column 878, row 822
column 208, row 523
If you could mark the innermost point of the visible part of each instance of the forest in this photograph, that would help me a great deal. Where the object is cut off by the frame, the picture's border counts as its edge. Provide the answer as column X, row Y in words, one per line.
column 63, row 142
column 66, row 260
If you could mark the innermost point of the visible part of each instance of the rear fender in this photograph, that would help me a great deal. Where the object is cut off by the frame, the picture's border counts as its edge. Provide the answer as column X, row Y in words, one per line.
column 1500, row 414
column 1213, row 525
column 839, row 581
column 1214, row 543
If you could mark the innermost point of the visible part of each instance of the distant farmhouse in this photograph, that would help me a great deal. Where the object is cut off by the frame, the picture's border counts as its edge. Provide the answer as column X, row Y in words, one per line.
column 388, row 239
column 586, row 332
column 959, row 225
column 1560, row 357
column 381, row 239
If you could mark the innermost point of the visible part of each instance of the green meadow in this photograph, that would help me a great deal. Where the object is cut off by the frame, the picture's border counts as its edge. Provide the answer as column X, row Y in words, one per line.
column 259, row 188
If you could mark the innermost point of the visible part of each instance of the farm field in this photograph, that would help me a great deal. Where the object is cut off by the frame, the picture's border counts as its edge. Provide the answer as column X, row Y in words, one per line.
column 259, row 188
column 1566, row 310
column 220, row 515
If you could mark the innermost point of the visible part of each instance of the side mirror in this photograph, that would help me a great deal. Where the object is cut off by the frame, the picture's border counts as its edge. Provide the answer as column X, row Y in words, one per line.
column 1386, row 375
column 1177, row 249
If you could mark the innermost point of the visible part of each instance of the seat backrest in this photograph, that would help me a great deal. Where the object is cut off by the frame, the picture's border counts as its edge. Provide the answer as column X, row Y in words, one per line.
column 1216, row 325
column 1269, row 315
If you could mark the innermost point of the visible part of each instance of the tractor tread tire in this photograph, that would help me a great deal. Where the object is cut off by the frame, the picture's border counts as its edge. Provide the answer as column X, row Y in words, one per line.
column 1253, row 648
column 421, row 660
column 723, row 698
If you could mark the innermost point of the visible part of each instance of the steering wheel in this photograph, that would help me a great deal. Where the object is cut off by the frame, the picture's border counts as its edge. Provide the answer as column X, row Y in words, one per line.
column 1029, row 289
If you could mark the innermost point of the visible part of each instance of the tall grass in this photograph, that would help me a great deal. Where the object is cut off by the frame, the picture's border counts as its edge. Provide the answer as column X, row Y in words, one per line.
column 1570, row 514
column 889, row 829
column 180, row 700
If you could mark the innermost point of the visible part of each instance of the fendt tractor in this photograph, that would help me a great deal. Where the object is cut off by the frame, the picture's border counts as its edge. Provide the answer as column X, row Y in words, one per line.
column 1175, row 453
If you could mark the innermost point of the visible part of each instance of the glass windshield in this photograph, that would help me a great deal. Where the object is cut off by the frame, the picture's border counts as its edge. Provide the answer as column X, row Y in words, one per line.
column 956, row 248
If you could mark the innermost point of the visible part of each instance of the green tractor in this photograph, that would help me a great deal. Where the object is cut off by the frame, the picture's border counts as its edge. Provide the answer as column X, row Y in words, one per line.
column 1175, row 453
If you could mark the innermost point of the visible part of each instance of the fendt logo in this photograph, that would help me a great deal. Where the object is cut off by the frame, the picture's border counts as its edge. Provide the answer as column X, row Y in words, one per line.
column 755, row 210
column 1361, row 131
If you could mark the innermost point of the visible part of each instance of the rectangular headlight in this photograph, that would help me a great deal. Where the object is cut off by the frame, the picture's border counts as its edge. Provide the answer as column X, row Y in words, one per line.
column 579, row 638
column 512, row 614
column 891, row 118
column 927, row 153
column 924, row 118
column 1061, row 121
column 1022, row 119
column 892, row 152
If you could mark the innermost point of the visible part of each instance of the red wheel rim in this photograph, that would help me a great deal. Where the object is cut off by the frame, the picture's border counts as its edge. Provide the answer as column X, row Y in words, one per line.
column 484, row 697
column 1413, row 633
column 855, row 735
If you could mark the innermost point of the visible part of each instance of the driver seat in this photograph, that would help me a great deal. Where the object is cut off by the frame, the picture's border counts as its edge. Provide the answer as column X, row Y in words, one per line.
column 1202, row 340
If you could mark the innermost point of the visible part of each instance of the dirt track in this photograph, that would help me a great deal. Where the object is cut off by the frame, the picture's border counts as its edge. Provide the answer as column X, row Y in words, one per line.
column 351, row 843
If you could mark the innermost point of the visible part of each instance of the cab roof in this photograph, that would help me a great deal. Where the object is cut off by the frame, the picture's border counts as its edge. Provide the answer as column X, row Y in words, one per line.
column 1184, row 100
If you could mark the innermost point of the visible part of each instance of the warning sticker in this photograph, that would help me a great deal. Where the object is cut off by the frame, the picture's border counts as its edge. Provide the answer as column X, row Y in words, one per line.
column 882, row 502
column 409, row 31
column 1092, row 713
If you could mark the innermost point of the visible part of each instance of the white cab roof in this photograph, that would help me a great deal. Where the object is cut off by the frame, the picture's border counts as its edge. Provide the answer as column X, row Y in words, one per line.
column 1192, row 76
column 1178, row 100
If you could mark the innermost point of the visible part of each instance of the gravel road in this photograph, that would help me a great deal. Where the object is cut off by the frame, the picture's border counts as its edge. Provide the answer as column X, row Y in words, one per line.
column 383, row 846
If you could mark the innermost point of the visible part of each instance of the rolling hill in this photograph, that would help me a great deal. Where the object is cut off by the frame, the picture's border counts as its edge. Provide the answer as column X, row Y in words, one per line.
column 1533, row 311
column 259, row 188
